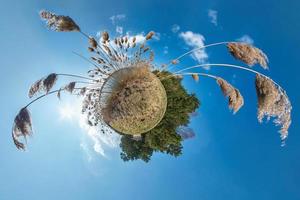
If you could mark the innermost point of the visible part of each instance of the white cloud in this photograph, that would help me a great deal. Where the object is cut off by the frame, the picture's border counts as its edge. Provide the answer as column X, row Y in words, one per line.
column 101, row 139
column 166, row 50
column 115, row 18
column 175, row 28
column 119, row 29
column 213, row 16
column 141, row 37
column 246, row 39
column 195, row 40
column 71, row 111
column 85, row 149
column 156, row 36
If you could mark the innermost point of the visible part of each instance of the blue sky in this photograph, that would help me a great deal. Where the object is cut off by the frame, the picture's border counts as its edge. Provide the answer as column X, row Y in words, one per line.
column 231, row 157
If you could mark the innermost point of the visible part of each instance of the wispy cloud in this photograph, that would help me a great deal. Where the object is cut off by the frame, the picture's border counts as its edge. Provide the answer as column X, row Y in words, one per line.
column 213, row 16
column 140, row 37
column 86, row 150
column 119, row 29
column 101, row 140
column 116, row 18
column 166, row 50
column 195, row 40
column 246, row 39
column 71, row 111
column 175, row 28
column 156, row 36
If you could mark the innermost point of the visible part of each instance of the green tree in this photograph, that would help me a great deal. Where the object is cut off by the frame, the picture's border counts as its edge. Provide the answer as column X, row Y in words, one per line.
column 134, row 149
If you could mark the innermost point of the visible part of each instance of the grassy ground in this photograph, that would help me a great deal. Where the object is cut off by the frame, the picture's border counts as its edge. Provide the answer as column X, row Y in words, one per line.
column 137, row 104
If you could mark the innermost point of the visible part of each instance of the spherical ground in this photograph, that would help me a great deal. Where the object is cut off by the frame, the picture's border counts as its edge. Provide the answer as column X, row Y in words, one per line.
column 137, row 103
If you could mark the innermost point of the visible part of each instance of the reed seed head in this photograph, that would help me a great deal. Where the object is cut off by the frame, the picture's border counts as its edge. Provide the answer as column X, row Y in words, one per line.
column 49, row 82
column 195, row 77
column 150, row 35
column 235, row 99
column 273, row 102
column 105, row 36
column 45, row 84
column 59, row 23
column 70, row 87
column 35, row 88
column 93, row 43
column 22, row 127
column 248, row 54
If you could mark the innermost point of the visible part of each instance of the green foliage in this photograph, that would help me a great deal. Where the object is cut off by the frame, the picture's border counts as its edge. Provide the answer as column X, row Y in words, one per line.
column 134, row 149
column 163, row 138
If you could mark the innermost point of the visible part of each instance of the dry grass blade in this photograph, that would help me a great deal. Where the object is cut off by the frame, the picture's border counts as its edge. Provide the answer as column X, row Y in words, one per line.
column 22, row 127
column 59, row 22
column 150, row 35
column 235, row 99
column 49, row 82
column 273, row 102
column 248, row 54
